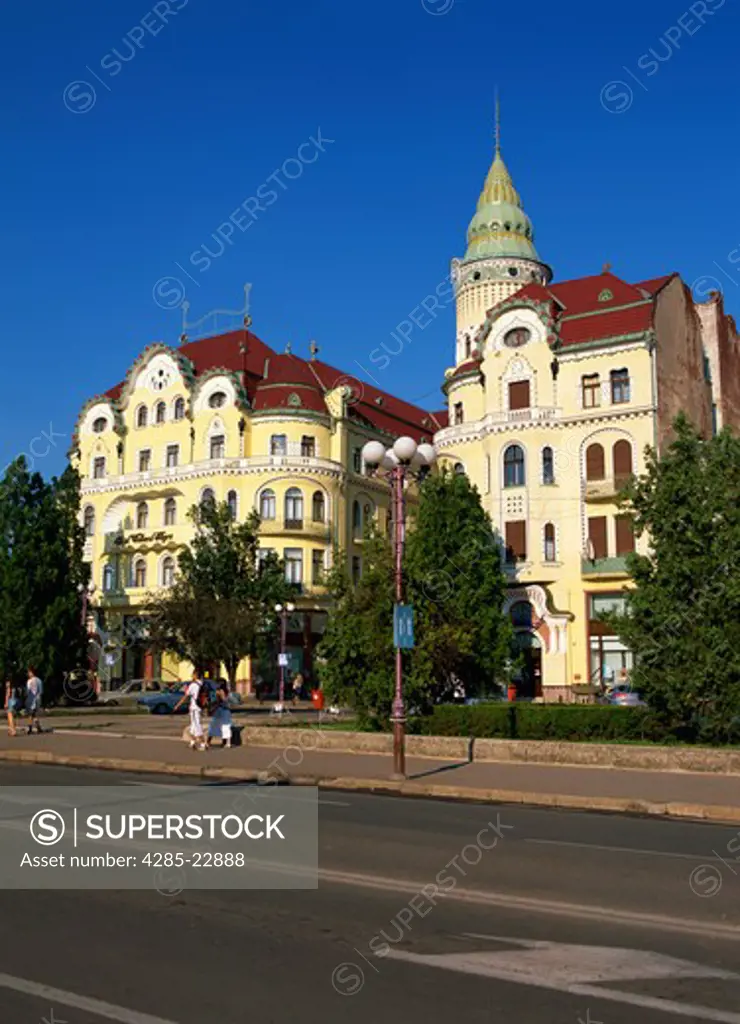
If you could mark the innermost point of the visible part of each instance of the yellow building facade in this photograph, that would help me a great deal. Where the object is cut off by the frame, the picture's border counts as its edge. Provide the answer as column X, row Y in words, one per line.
column 555, row 393
column 228, row 418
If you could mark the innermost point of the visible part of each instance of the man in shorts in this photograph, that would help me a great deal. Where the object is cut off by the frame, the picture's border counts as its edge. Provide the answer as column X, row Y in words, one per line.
column 34, row 692
column 192, row 693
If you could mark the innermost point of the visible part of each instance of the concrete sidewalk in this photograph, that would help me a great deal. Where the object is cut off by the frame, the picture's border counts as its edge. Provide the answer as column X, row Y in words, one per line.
column 676, row 794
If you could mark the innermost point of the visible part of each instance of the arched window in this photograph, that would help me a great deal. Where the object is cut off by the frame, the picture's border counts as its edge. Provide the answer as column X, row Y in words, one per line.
column 170, row 512
column 168, row 571
column 268, row 508
column 521, row 614
column 231, row 500
column 548, row 466
column 549, row 536
column 89, row 520
column 142, row 515
column 367, row 515
column 458, row 469
column 514, row 466
column 208, row 497
column 100, row 424
column 318, row 506
column 160, row 412
column 217, row 399
column 141, row 416
column 356, row 519
column 178, row 411
column 622, row 458
column 140, row 573
column 293, row 507
column 108, row 578
column 595, row 467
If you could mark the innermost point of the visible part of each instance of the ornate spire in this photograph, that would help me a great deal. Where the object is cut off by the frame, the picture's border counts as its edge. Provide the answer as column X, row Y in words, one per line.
column 498, row 124
column 500, row 226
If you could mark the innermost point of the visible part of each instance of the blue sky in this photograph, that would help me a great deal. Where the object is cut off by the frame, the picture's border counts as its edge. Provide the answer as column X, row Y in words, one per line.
column 132, row 131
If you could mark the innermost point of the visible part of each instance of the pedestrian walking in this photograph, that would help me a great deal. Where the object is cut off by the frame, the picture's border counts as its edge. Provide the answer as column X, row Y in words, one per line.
column 192, row 694
column 297, row 688
column 220, row 725
column 11, row 705
column 34, row 694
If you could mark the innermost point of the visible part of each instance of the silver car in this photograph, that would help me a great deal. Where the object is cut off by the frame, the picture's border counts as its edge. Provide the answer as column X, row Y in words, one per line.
column 129, row 693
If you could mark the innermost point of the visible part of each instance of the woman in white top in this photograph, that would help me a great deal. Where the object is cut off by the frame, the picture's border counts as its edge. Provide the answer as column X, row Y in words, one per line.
column 192, row 692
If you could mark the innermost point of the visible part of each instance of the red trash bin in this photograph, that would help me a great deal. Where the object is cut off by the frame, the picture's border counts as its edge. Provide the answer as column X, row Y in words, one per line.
column 512, row 692
column 317, row 699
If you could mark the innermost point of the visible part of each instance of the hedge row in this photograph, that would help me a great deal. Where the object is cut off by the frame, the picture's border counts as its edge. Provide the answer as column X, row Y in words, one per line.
column 542, row 722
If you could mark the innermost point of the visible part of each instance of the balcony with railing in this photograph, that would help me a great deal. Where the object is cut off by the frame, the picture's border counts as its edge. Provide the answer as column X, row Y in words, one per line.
column 319, row 531
column 603, row 490
column 604, row 568
column 168, row 474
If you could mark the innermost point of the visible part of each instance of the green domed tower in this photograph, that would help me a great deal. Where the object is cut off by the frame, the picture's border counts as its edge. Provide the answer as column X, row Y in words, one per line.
column 500, row 258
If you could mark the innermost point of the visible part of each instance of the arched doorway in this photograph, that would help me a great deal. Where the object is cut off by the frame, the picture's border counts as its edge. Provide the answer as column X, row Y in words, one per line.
column 528, row 671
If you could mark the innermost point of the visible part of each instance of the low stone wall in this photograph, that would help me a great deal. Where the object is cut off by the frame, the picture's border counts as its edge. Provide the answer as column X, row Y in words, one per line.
column 312, row 737
column 453, row 748
column 610, row 755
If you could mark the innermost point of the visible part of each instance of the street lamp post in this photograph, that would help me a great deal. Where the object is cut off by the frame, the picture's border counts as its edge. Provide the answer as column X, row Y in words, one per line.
column 283, row 611
column 86, row 592
column 404, row 459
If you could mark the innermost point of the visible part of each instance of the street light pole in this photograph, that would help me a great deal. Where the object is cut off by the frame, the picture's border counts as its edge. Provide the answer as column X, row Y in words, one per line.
column 283, row 611
column 398, row 710
column 406, row 458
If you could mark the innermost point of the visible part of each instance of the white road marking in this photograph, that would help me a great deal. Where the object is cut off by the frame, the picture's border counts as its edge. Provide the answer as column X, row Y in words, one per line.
column 57, row 995
column 538, row 906
column 499, row 967
column 621, row 849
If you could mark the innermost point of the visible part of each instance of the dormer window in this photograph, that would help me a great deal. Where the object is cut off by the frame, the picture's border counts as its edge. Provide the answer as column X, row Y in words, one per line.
column 606, row 295
column 517, row 337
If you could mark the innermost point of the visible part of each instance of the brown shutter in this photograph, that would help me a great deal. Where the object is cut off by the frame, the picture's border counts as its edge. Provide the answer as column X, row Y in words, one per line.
column 625, row 535
column 595, row 469
column 622, row 455
column 597, row 535
column 516, row 541
column 519, row 395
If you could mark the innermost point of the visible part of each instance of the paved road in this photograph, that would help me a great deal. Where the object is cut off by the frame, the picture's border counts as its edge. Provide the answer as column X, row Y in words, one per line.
column 593, row 915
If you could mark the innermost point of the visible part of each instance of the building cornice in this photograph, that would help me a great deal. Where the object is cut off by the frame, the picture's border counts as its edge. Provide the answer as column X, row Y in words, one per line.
column 209, row 469
column 552, row 419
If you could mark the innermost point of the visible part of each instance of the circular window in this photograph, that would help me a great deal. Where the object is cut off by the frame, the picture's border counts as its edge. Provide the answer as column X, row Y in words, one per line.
column 513, row 271
column 99, row 424
column 217, row 399
column 517, row 337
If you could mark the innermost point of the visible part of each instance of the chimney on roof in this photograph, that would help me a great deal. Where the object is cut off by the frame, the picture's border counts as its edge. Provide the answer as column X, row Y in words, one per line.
column 606, row 268
column 313, row 348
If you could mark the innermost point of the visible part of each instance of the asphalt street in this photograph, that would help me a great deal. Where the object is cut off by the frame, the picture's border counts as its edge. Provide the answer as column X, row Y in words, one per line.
column 566, row 917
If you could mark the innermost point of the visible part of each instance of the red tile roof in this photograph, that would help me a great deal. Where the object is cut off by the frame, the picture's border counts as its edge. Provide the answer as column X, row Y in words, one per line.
column 272, row 377
column 598, row 307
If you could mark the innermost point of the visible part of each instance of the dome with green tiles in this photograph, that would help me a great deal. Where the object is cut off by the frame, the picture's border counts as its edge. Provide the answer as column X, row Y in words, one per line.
column 500, row 227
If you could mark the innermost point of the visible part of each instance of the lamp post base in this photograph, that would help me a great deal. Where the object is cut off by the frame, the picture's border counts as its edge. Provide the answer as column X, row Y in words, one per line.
column 399, row 750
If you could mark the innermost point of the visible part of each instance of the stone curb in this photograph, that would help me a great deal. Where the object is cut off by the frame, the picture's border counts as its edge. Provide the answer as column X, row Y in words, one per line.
column 617, row 805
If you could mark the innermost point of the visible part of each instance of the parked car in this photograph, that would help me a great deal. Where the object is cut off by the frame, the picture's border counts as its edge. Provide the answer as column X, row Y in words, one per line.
column 129, row 693
column 164, row 703
column 622, row 695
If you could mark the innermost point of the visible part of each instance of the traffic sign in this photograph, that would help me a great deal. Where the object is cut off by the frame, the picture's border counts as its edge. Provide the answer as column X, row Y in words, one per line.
column 403, row 625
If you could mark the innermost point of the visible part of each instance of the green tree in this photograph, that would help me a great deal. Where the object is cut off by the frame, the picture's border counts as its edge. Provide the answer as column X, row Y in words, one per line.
column 453, row 578
column 41, row 575
column 223, row 599
column 457, row 587
column 683, row 616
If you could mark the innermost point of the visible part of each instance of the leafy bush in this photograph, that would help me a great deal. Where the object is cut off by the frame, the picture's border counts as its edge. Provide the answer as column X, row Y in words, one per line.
column 542, row 722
